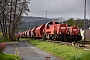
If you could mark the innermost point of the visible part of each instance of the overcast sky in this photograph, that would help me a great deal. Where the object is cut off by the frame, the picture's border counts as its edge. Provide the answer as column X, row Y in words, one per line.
column 59, row 8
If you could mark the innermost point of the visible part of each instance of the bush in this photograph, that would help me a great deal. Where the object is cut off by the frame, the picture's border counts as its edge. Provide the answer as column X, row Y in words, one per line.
column 2, row 47
column 9, row 57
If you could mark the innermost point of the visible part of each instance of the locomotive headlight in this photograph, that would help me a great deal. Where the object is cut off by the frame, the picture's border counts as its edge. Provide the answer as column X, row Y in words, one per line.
column 62, row 27
column 76, row 32
column 68, row 32
column 60, row 32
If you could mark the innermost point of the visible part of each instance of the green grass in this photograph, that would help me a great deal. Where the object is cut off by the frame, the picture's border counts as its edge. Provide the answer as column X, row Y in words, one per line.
column 24, row 39
column 9, row 57
column 2, row 40
column 66, row 52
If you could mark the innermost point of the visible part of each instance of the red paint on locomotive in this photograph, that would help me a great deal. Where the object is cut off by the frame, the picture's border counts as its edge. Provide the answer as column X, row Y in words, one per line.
column 74, row 30
column 32, row 32
column 64, row 29
column 51, row 27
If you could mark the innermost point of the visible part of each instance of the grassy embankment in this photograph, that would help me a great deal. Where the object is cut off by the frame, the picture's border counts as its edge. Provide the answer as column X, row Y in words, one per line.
column 63, row 51
column 9, row 57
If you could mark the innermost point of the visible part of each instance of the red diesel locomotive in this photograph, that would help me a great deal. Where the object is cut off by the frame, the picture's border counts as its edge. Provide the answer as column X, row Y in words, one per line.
column 53, row 31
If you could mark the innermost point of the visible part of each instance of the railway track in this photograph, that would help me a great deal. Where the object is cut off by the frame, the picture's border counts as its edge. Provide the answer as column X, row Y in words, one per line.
column 82, row 44
column 85, row 44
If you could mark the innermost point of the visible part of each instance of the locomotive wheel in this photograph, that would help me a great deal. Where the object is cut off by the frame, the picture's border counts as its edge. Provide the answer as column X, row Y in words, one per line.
column 44, row 37
column 69, row 38
column 59, row 38
column 74, row 38
column 54, row 37
column 64, row 38
column 79, row 37
column 47, row 36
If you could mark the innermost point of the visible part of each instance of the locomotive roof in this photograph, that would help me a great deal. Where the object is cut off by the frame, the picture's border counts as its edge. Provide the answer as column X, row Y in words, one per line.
column 51, row 22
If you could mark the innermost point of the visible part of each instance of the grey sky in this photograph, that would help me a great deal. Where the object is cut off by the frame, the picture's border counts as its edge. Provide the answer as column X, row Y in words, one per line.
column 59, row 8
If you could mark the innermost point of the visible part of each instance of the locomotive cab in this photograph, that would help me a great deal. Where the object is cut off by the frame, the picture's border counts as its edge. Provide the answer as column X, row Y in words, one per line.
column 75, row 33
column 51, row 30
column 64, row 33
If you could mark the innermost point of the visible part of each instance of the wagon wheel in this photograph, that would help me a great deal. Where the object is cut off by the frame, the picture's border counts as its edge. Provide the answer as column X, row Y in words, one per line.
column 43, row 37
column 76, row 38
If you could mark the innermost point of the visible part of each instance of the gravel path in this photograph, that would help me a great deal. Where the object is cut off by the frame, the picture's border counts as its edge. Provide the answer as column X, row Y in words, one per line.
column 9, row 48
column 29, row 52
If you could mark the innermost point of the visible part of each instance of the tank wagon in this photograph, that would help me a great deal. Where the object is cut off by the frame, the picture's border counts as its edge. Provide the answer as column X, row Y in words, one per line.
column 27, row 33
column 32, row 32
column 39, row 31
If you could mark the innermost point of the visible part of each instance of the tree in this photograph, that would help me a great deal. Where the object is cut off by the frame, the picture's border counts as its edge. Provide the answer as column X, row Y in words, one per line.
column 70, row 22
column 11, row 12
column 79, row 23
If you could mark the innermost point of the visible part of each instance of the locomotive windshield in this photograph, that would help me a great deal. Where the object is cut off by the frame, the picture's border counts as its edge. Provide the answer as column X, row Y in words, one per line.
column 51, row 23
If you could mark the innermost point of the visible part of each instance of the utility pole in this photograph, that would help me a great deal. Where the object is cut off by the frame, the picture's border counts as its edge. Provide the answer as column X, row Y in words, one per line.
column 85, row 20
column 46, row 14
